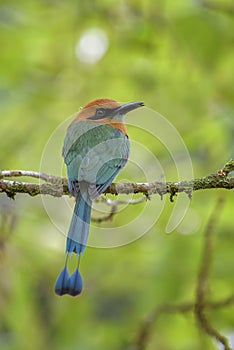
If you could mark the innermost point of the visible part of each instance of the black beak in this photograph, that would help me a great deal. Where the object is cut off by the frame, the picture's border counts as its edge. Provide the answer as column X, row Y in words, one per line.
column 128, row 107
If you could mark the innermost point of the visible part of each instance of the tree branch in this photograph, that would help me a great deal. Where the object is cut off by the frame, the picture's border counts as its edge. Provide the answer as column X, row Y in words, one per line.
column 114, row 207
column 201, row 304
column 203, row 278
column 57, row 187
column 218, row 6
column 145, row 331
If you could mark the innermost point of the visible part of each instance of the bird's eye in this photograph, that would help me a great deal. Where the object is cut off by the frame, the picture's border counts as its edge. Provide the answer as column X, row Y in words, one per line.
column 100, row 112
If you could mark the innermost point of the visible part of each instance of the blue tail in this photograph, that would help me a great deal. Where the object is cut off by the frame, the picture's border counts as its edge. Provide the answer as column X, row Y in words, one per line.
column 76, row 242
column 79, row 227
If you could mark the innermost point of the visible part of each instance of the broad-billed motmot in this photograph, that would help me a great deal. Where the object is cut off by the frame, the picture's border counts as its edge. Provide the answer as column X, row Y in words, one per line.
column 96, row 148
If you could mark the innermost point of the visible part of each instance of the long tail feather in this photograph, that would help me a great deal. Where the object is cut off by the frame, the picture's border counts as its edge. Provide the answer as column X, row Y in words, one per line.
column 76, row 242
column 79, row 227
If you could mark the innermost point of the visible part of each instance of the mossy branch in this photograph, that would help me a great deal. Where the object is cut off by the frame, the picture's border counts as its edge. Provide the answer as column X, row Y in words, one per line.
column 57, row 187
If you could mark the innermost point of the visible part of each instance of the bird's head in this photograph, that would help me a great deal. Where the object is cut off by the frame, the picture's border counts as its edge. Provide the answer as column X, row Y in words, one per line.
column 103, row 110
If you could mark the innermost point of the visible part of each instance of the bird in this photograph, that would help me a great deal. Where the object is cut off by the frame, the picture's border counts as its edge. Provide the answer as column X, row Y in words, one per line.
column 96, row 147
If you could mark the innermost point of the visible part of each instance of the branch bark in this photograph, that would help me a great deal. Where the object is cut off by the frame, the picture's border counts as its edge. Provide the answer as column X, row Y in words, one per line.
column 57, row 187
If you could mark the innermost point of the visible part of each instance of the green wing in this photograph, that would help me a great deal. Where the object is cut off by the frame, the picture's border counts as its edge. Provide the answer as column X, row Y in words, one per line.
column 94, row 153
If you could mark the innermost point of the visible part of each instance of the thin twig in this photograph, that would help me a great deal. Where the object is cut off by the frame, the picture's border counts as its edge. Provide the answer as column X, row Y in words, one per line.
column 203, row 278
column 220, row 6
column 145, row 330
column 114, row 207
column 200, row 305
column 28, row 173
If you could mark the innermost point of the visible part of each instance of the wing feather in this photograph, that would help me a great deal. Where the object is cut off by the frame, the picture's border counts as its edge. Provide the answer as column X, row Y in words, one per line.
column 94, row 153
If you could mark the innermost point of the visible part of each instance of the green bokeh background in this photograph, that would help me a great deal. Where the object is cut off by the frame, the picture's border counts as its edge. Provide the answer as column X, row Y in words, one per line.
column 178, row 57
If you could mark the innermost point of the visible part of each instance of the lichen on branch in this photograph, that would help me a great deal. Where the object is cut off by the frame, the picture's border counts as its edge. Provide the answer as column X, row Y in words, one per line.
column 57, row 186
